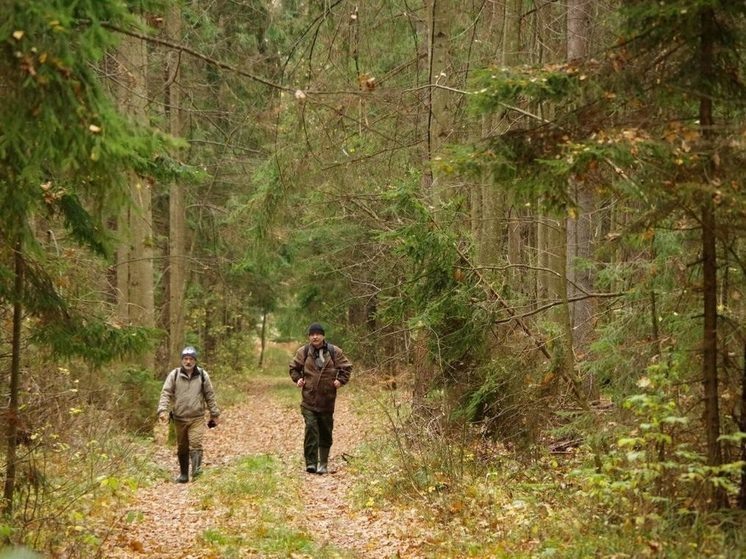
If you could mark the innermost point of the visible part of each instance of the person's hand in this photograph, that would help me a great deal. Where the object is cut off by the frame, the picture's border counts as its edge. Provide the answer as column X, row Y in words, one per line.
column 301, row 382
column 337, row 384
column 163, row 417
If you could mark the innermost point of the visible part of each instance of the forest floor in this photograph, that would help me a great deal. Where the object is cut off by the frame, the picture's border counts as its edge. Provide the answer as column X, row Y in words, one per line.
column 171, row 520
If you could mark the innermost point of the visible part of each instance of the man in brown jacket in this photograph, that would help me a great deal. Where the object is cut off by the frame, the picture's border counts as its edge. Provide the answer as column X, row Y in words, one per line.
column 187, row 391
column 319, row 369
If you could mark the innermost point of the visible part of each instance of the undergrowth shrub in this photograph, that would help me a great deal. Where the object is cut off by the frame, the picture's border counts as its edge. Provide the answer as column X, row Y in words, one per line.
column 70, row 484
column 656, row 467
column 78, row 456
column 505, row 401
column 230, row 367
column 136, row 399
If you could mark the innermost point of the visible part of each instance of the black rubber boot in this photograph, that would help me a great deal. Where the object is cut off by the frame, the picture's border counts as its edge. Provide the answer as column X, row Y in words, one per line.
column 196, row 456
column 183, row 468
column 323, row 461
column 312, row 457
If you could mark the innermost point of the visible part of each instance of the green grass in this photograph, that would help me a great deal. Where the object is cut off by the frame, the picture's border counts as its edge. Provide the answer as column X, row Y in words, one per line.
column 258, row 511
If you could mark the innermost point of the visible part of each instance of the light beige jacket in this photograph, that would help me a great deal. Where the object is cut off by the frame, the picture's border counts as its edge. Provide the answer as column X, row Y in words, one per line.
column 188, row 397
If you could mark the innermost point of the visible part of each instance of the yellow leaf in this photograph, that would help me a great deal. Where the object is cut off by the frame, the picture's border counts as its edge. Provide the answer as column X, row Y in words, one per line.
column 18, row 35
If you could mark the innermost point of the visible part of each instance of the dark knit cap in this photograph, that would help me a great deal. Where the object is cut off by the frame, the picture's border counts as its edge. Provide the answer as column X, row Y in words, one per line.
column 316, row 327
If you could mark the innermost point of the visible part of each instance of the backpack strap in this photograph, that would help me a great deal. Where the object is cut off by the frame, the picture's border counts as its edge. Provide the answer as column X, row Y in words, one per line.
column 201, row 377
column 176, row 371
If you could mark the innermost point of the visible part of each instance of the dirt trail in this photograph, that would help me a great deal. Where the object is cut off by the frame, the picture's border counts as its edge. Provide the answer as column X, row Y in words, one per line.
column 171, row 518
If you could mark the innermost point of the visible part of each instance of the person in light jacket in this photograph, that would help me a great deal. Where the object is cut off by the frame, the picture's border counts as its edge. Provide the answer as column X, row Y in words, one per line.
column 319, row 369
column 187, row 392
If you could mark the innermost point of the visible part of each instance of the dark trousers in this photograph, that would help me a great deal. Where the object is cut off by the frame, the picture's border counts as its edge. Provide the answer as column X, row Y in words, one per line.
column 319, row 427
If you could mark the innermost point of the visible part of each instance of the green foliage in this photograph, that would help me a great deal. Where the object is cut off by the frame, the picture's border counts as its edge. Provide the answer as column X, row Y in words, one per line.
column 137, row 399
column 258, row 511
column 95, row 341
column 82, row 226
column 656, row 469
column 496, row 87
column 75, row 472
column 504, row 398
column 626, row 345
column 676, row 27
column 59, row 122
column 64, row 153
column 40, row 295
column 502, row 505
column 438, row 290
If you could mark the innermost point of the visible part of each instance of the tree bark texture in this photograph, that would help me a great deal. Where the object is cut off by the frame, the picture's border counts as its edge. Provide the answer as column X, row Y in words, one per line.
column 580, row 226
column 15, row 377
column 440, row 115
column 135, row 264
column 709, row 256
column 177, row 269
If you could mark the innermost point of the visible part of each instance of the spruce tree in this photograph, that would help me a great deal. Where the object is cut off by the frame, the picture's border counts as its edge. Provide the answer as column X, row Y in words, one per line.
column 63, row 149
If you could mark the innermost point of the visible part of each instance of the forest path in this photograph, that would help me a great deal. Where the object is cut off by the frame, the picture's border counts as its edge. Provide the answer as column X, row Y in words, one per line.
column 171, row 518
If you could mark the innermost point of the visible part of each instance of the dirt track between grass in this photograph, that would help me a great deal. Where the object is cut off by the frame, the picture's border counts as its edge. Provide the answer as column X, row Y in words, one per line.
column 171, row 519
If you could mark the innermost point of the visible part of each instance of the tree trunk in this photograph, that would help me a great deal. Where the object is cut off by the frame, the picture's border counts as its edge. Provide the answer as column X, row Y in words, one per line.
column 563, row 310
column 709, row 262
column 579, row 253
column 742, row 427
column 122, row 268
column 578, row 27
column 263, row 338
column 177, row 229
column 512, row 32
column 500, row 212
column 440, row 115
column 580, row 227
column 135, row 264
column 15, row 376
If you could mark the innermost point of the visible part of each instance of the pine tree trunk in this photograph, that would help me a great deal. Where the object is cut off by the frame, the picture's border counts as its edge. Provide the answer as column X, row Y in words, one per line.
column 135, row 262
column 709, row 262
column 15, row 376
column 177, row 233
column 742, row 427
column 263, row 338
column 440, row 115
column 580, row 227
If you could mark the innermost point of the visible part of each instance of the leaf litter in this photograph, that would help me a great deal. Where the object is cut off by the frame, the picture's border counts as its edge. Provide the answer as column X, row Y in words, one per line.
column 168, row 519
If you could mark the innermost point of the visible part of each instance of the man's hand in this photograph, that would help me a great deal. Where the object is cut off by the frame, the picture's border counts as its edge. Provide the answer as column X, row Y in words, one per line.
column 337, row 384
column 301, row 382
column 163, row 417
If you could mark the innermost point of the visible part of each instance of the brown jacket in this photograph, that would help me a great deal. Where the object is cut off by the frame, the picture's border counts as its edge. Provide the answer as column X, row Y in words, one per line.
column 319, row 392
